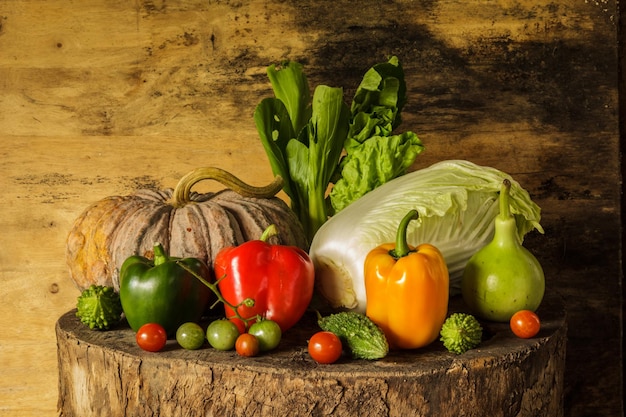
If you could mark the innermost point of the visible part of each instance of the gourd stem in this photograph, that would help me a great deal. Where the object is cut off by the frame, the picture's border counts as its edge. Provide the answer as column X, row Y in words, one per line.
column 402, row 247
column 181, row 194
column 505, row 188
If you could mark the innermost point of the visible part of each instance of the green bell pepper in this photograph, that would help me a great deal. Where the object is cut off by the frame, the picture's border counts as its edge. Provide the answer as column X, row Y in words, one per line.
column 163, row 290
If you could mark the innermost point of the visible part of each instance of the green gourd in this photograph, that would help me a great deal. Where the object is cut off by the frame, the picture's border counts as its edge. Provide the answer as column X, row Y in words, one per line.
column 358, row 333
column 503, row 277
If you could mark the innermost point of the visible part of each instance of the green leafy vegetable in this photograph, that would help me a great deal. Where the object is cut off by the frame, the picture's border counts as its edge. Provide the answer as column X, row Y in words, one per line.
column 304, row 154
column 291, row 87
column 304, row 138
column 314, row 157
column 362, row 336
column 373, row 155
column 457, row 203
column 373, row 163
column 99, row 307
column 461, row 332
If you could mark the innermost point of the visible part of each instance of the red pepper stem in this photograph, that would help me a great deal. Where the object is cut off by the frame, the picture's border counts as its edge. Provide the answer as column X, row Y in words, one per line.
column 269, row 232
column 505, row 189
column 160, row 256
column 402, row 247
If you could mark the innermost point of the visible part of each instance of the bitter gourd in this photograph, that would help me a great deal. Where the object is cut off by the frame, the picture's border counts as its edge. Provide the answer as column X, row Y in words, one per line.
column 363, row 338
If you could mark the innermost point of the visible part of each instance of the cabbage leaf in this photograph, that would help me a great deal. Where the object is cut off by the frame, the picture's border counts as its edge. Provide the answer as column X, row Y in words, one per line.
column 457, row 202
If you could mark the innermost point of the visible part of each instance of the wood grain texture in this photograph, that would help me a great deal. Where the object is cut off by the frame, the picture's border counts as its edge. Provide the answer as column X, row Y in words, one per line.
column 107, row 374
column 100, row 98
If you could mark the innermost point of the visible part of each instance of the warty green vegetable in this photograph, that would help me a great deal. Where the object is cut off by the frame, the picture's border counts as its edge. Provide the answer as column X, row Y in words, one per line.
column 363, row 338
column 457, row 202
column 461, row 332
column 99, row 307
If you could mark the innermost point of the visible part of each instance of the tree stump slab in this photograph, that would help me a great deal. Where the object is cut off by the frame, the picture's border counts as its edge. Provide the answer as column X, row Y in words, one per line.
column 105, row 373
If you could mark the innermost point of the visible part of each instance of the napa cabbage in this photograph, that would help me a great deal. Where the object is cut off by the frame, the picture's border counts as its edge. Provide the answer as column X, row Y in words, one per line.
column 457, row 202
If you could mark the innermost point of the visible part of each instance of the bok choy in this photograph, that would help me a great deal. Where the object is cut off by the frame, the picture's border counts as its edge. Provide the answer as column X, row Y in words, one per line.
column 317, row 143
column 457, row 203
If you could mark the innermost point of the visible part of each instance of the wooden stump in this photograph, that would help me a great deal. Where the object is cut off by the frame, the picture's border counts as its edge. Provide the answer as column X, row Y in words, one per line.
column 105, row 373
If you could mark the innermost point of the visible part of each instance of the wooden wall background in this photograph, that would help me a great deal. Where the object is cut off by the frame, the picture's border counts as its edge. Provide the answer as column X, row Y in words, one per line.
column 100, row 97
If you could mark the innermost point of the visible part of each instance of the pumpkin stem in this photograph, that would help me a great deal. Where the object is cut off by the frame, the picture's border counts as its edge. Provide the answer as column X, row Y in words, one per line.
column 181, row 194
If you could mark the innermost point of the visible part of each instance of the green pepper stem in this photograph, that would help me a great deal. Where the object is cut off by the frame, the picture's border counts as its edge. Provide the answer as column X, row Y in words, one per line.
column 160, row 256
column 248, row 302
column 402, row 247
column 505, row 189
column 181, row 194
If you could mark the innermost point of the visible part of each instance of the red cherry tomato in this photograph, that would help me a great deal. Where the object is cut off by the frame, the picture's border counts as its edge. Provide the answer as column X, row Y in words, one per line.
column 325, row 347
column 247, row 345
column 151, row 337
column 525, row 324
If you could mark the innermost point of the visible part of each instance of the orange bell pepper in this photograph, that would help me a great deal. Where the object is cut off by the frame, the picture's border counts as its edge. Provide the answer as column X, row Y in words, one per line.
column 407, row 290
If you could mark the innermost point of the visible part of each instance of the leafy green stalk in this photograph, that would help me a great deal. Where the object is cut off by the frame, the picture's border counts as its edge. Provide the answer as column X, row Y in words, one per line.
column 275, row 130
column 314, row 157
column 291, row 87
column 281, row 118
column 304, row 140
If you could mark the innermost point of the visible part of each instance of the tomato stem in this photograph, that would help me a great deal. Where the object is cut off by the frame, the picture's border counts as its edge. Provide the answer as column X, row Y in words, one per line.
column 248, row 302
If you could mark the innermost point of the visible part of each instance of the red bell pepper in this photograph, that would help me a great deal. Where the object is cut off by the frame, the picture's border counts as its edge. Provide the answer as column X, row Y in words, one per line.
column 278, row 278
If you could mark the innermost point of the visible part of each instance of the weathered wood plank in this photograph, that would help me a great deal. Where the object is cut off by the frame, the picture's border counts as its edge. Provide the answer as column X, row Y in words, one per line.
column 100, row 97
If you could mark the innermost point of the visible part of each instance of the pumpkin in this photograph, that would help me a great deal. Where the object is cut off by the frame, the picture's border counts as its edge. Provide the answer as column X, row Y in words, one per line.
column 186, row 223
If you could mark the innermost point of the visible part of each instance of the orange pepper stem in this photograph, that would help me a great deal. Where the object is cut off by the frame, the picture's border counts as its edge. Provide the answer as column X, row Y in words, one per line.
column 402, row 247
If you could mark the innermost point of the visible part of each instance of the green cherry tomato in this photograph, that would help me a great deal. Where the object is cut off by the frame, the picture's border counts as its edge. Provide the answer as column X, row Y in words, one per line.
column 190, row 336
column 222, row 334
column 268, row 332
column 151, row 337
